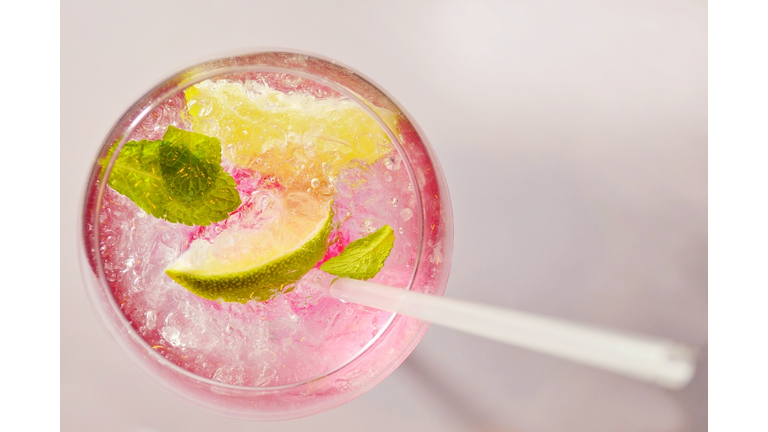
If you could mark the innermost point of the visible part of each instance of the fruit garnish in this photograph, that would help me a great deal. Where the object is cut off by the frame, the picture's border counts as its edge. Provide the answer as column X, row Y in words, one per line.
column 363, row 258
column 303, row 140
column 178, row 178
column 243, row 264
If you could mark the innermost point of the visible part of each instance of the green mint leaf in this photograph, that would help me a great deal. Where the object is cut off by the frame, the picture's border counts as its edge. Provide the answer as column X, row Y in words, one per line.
column 362, row 259
column 186, row 165
column 178, row 178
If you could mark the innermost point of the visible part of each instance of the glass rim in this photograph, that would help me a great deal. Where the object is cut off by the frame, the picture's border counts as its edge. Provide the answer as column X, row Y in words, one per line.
column 186, row 78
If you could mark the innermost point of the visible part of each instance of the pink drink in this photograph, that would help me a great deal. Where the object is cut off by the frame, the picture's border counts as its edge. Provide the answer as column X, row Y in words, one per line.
column 301, row 351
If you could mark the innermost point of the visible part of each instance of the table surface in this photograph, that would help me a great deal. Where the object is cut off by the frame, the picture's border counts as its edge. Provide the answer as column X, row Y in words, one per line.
column 573, row 136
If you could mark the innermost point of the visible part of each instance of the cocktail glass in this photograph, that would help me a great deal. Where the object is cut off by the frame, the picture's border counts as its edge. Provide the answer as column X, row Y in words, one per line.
column 122, row 256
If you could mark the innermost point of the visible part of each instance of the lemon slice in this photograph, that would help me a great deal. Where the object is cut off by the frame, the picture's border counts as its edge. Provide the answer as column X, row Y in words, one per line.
column 303, row 140
column 255, row 264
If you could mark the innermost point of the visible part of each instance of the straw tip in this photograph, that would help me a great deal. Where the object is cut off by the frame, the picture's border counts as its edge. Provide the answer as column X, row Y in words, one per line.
column 681, row 368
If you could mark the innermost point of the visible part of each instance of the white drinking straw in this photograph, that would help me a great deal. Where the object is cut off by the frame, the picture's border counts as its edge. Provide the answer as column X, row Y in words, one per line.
column 659, row 361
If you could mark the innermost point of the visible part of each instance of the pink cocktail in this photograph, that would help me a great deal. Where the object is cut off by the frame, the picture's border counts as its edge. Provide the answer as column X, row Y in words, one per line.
column 304, row 142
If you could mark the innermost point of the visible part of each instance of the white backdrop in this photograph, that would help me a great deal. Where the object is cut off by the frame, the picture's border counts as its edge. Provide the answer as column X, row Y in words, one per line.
column 573, row 136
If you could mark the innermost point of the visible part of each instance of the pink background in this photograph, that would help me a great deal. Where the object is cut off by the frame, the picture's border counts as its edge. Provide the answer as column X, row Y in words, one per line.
column 573, row 136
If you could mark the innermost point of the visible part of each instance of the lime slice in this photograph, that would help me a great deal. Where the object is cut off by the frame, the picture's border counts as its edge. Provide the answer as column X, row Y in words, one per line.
column 243, row 264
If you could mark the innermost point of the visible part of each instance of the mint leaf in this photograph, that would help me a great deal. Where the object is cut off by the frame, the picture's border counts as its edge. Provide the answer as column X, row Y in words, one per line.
column 187, row 175
column 363, row 258
column 178, row 178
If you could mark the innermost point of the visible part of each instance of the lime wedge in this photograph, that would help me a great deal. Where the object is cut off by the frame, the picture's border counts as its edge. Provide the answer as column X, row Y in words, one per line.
column 255, row 264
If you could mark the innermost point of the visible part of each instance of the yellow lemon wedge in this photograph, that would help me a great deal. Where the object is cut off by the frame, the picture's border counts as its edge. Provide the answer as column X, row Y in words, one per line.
column 302, row 140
